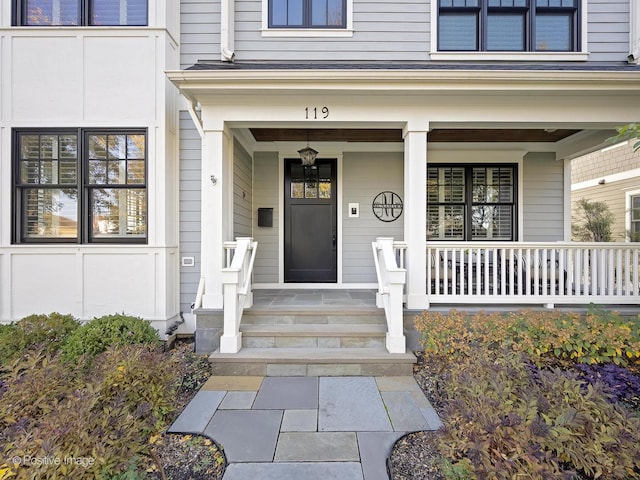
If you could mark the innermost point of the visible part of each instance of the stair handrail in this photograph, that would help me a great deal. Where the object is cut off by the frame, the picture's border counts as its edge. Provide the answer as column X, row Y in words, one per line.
column 390, row 296
column 237, row 291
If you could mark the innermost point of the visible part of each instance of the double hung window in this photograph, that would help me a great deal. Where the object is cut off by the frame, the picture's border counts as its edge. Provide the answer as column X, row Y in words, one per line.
column 80, row 12
column 80, row 186
column 307, row 14
column 634, row 218
column 508, row 25
column 471, row 202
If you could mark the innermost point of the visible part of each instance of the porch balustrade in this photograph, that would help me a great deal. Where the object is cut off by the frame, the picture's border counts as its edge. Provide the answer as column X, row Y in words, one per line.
column 389, row 261
column 533, row 273
column 237, row 290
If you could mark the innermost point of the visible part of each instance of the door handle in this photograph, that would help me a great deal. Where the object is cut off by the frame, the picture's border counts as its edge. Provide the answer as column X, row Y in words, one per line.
column 334, row 238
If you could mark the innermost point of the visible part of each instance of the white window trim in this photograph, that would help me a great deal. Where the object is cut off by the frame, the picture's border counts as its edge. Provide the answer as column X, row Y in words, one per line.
column 627, row 211
column 307, row 32
column 580, row 56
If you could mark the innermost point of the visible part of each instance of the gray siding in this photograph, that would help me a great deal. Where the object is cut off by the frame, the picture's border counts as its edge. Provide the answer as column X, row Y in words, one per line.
column 364, row 175
column 382, row 31
column 543, row 198
column 242, row 191
column 190, row 178
column 608, row 30
column 265, row 195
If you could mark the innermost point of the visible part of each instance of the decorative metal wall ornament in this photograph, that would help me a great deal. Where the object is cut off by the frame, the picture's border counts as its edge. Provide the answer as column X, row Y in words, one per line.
column 387, row 206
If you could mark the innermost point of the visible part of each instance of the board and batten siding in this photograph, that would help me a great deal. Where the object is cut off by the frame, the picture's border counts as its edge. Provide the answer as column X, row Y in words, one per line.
column 365, row 175
column 542, row 198
column 190, row 182
column 266, row 195
column 242, row 191
column 382, row 31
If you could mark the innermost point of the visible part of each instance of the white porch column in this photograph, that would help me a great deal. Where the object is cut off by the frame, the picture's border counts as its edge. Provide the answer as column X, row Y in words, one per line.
column 217, row 210
column 415, row 219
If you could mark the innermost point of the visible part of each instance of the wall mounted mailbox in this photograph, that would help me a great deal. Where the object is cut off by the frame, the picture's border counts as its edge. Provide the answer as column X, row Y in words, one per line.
column 265, row 217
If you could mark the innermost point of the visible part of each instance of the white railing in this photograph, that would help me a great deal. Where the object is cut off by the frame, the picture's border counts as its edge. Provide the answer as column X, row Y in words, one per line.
column 237, row 292
column 533, row 273
column 389, row 261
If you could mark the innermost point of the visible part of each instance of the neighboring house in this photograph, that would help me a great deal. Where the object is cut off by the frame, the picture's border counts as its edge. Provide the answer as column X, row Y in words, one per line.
column 611, row 175
column 172, row 127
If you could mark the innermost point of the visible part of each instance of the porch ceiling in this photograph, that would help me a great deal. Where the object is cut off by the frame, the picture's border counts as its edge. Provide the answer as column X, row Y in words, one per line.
column 395, row 135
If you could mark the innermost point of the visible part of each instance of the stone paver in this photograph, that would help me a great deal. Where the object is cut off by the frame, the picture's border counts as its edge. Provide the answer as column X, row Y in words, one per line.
column 197, row 414
column 294, row 471
column 307, row 428
column 246, row 435
column 237, row 401
column 233, row 383
column 287, row 393
column 300, row 421
column 375, row 447
column 317, row 447
column 403, row 411
column 351, row 404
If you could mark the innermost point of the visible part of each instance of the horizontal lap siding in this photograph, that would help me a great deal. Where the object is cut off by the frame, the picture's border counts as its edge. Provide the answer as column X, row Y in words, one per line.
column 266, row 195
column 608, row 30
column 199, row 31
column 190, row 178
column 365, row 175
column 382, row 31
column 242, row 192
column 543, row 198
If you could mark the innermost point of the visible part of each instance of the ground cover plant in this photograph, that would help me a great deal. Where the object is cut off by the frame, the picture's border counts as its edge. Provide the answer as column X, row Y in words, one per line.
column 530, row 395
column 73, row 407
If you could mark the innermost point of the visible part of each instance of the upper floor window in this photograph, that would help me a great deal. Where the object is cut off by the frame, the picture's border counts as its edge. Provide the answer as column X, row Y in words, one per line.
column 80, row 12
column 508, row 25
column 80, row 186
column 307, row 13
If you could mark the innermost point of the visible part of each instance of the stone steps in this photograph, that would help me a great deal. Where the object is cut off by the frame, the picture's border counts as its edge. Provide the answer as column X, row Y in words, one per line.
column 313, row 336
column 312, row 362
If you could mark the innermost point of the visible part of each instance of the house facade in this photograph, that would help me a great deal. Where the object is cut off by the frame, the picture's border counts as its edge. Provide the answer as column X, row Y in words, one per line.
column 151, row 153
column 611, row 175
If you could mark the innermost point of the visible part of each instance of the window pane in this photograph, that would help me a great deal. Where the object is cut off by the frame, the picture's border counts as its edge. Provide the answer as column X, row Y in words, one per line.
column 635, row 208
column 458, row 32
column 135, row 172
column 554, row 32
column 51, row 12
column 97, row 146
column 327, row 13
column 491, row 222
column 445, row 222
column 50, row 213
column 29, row 147
column 97, row 172
column 116, row 172
column 40, row 159
column 135, row 146
column 118, row 212
column 119, row 12
column 297, row 189
column 505, row 32
column 286, row 13
column 117, row 146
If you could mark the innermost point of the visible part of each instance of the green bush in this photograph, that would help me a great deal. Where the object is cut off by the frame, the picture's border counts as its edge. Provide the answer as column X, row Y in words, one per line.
column 93, row 421
column 511, row 419
column 51, row 330
column 97, row 335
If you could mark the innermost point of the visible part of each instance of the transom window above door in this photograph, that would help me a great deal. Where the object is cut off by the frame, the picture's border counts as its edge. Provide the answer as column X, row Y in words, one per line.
column 307, row 14
column 80, row 12
column 508, row 25
column 471, row 202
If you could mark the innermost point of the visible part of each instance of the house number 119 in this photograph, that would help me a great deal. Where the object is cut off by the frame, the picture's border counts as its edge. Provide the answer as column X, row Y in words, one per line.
column 315, row 113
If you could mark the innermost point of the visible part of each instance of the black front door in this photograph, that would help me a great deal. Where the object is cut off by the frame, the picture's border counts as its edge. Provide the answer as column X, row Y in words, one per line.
column 310, row 225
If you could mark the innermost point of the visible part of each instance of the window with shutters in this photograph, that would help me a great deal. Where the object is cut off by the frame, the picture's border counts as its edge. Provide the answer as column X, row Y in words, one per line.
column 80, row 12
column 471, row 202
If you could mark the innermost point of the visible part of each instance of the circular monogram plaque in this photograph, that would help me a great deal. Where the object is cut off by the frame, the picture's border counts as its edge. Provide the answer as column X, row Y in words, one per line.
column 387, row 206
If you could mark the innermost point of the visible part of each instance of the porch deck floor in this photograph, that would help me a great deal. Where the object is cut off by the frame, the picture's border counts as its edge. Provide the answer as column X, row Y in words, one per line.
column 314, row 298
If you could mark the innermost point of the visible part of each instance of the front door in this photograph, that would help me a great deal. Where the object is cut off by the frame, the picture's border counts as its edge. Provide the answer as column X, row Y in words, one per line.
column 310, row 225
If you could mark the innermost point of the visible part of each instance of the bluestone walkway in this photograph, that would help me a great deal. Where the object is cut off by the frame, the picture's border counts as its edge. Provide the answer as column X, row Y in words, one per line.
column 311, row 428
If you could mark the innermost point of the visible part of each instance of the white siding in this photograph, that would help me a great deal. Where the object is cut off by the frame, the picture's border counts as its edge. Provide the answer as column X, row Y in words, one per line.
column 364, row 176
column 543, row 198
column 190, row 182
column 265, row 195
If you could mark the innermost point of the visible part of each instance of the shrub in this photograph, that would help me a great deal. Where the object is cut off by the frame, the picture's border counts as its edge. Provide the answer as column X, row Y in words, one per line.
column 97, row 335
column 511, row 419
column 93, row 421
column 52, row 330
column 620, row 383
